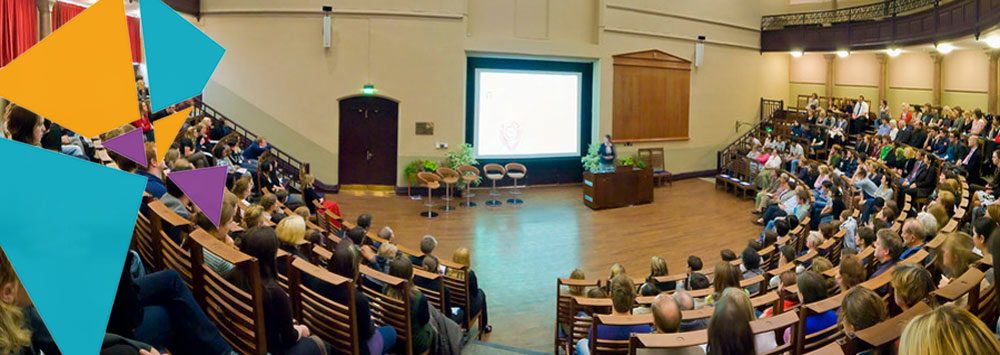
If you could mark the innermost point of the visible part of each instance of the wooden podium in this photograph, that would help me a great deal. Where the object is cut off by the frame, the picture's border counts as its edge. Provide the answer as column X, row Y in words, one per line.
column 620, row 188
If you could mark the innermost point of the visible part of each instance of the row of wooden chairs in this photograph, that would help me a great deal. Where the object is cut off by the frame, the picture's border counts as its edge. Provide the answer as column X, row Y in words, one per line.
column 238, row 313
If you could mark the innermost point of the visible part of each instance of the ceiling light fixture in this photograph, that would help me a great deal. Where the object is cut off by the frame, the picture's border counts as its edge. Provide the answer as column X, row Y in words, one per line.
column 945, row 48
column 843, row 54
column 795, row 54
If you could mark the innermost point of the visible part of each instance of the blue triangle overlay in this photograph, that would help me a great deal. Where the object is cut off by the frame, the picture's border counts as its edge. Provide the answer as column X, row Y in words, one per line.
column 67, row 240
column 175, row 73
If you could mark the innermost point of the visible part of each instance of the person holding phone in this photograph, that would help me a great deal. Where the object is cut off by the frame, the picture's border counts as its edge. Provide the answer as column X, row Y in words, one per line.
column 607, row 154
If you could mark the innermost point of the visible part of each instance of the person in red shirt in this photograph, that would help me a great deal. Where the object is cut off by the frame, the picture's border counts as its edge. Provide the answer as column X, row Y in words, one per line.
column 905, row 114
column 143, row 121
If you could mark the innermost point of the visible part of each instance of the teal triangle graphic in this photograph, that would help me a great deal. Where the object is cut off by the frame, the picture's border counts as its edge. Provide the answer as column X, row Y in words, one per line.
column 67, row 237
column 179, row 57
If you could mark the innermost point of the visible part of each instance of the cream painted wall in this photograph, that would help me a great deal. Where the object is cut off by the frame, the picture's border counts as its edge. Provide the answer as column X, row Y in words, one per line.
column 860, row 69
column 965, row 71
column 913, row 70
column 278, row 80
column 809, row 68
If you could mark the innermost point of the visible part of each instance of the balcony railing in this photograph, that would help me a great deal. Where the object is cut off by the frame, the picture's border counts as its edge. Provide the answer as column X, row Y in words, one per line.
column 870, row 12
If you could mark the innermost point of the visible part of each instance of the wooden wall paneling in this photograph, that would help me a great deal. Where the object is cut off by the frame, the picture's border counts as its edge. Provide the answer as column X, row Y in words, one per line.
column 651, row 96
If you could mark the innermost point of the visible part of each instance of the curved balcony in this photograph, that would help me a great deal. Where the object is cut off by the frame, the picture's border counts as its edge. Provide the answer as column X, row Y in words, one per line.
column 895, row 23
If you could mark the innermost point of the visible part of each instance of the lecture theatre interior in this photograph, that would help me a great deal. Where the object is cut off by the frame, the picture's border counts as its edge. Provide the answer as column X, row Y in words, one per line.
column 412, row 177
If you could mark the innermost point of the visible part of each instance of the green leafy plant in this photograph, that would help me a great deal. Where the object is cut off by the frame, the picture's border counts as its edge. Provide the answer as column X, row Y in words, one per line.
column 591, row 161
column 430, row 165
column 463, row 155
column 632, row 161
column 411, row 170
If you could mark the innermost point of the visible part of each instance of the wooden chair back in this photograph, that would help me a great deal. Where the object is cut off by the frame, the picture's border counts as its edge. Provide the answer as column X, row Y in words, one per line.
column 145, row 243
column 882, row 336
column 608, row 346
column 238, row 313
column 331, row 321
column 457, row 282
column 434, row 296
column 667, row 341
column 563, row 305
column 174, row 256
column 776, row 325
column 390, row 311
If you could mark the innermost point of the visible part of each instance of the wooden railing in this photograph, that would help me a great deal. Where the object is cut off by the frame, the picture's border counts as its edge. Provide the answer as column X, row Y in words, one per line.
column 768, row 109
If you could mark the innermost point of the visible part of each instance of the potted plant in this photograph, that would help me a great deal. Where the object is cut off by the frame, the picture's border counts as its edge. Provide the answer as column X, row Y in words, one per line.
column 632, row 161
column 416, row 166
column 464, row 155
column 591, row 162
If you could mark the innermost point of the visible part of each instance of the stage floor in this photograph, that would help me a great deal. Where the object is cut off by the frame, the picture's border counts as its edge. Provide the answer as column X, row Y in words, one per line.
column 519, row 251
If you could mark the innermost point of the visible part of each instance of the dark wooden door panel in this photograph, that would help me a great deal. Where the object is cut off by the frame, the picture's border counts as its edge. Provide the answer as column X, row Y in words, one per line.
column 368, row 141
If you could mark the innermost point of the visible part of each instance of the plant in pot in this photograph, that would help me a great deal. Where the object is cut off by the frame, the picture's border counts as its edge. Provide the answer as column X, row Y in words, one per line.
column 417, row 166
column 591, row 162
column 464, row 155
column 632, row 161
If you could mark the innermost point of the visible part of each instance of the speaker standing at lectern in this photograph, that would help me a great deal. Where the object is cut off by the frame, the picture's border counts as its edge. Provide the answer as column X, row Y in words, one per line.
column 607, row 154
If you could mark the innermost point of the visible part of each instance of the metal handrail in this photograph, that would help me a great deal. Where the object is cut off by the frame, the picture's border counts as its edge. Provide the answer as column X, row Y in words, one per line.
column 287, row 165
column 870, row 12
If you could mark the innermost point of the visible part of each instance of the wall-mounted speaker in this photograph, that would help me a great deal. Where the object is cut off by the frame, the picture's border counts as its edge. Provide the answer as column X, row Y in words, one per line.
column 326, row 26
column 699, row 51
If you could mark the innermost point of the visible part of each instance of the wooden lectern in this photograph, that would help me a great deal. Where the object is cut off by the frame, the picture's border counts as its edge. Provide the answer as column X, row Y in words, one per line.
column 623, row 187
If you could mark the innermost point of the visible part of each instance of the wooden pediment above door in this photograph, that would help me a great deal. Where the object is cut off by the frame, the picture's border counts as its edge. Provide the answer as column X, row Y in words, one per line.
column 654, row 58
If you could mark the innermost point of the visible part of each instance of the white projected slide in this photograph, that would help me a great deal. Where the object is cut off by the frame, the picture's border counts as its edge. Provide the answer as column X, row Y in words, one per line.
column 527, row 114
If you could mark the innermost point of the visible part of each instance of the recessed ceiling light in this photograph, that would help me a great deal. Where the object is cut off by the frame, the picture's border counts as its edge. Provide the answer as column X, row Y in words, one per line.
column 796, row 54
column 843, row 54
column 892, row 52
column 945, row 48
column 993, row 41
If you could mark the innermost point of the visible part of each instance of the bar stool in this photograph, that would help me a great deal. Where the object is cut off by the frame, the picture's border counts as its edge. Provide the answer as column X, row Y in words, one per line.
column 432, row 181
column 515, row 171
column 494, row 172
column 449, row 177
column 469, row 174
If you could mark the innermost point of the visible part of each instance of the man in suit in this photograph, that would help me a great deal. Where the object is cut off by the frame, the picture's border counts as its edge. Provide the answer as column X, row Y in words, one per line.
column 859, row 118
column 904, row 134
column 920, row 181
column 918, row 136
column 972, row 161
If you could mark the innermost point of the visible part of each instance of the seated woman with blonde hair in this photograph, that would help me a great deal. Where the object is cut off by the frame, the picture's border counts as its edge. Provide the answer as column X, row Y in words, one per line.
column 477, row 298
column 291, row 233
column 947, row 330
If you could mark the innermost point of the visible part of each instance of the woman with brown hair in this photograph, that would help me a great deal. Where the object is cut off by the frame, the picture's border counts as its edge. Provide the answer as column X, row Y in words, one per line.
column 726, row 276
column 851, row 272
column 912, row 283
column 729, row 327
column 860, row 309
column 24, row 126
column 420, row 316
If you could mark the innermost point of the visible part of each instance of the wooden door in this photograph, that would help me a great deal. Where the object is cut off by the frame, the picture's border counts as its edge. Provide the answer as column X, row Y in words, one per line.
column 368, row 141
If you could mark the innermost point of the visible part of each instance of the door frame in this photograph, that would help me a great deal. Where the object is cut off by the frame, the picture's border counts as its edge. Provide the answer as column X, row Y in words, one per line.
column 398, row 131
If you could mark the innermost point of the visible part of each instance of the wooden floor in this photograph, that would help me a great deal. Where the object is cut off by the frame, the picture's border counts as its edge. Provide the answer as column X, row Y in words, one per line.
column 519, row 251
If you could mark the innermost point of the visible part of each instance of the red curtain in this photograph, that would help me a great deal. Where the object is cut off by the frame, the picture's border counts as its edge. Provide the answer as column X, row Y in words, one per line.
column 62, row 12
column 134, row 38
column 18, row 28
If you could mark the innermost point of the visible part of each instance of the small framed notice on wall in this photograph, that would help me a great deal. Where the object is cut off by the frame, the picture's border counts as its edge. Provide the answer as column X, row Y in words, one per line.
column 425, row 128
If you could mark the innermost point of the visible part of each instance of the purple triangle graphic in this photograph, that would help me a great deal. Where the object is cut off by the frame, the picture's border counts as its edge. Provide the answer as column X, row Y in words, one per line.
column 129, row 145
column 205, row 188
